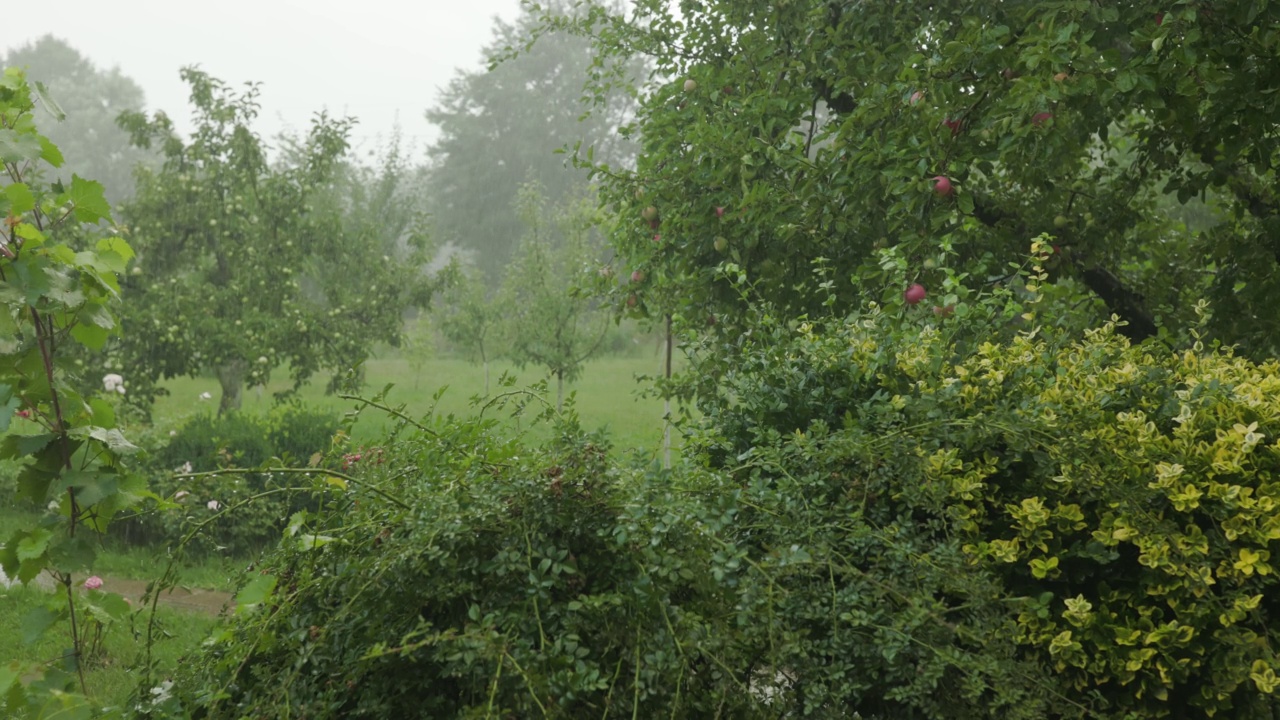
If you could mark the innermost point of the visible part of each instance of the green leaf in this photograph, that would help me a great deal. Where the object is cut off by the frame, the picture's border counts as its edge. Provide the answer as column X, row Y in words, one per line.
column 18, row 146
column 20, row 198
column 255, row 592
column 34, row 544
column 90, row 206
column 50, row 152
column 17, row 446
column 113, row 439
column 36, row 622
column 118, row 246
column 33, row 483
column 49, row 103
column 71, row 554
column 90, row 336
column 91, row 486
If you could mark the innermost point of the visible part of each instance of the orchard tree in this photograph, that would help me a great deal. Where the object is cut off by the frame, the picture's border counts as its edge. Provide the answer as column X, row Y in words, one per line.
column 90, row 99
column 552, row 318
column 907, row 143
column 503, row 127
column 470, row 318
column 245, row 265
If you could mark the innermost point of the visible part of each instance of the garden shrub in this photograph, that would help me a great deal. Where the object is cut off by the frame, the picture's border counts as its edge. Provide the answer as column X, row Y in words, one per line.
column 1123, row 499
column 875, row 525
column 234, row 440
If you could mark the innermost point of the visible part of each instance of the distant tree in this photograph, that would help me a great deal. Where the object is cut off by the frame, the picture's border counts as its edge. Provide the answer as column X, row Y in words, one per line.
column 470, row 319
column 501, row 128
column 92, row 100
column 552, row 319
column 244, row 267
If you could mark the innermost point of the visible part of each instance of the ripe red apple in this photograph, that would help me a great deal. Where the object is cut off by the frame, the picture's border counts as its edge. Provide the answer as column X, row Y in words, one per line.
column 650, row 213
column 637, row 276
column 954, row 124
column 719, row 211
column 654, row 223
column 914, row 294
column 1041, row 118
column 1159, row 18
column 632, row 300
column 942, row 186
column 657, row 237
column 916, row 97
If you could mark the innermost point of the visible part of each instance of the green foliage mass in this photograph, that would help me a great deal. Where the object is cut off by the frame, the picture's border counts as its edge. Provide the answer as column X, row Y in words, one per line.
column 879, row 525
column 819, row 127
column 288, row 435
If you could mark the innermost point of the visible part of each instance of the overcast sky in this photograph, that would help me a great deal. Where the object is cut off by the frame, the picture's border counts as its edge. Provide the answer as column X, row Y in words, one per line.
column 379, row 60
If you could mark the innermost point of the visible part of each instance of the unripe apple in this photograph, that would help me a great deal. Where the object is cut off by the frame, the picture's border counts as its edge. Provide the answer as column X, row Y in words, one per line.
column 1060, row 221
column 637, row 276
column 1061, row 77
column 914, row 294
column 721, row 244
column 650, row 213
column 639, row 193
column 690, row 85
column 929, row 264
column 916, row 97
column 942, row 186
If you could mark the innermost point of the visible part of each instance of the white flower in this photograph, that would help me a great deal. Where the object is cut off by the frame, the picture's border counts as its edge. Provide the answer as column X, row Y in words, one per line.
column 184, row 468
column 262, row 359
column 54, row 505
column 180, row 494
column 120, row 389
column 113, row 382
column 214, row 504
column 173, row 433
column 206, row 396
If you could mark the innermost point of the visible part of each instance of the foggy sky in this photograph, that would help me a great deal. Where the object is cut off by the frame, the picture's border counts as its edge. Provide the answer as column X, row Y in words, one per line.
column 378, row 60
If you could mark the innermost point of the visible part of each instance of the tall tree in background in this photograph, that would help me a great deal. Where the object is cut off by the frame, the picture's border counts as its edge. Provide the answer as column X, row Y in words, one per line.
column 92, row 99
column 502, row 128
column 552, row 319
column 244, row 266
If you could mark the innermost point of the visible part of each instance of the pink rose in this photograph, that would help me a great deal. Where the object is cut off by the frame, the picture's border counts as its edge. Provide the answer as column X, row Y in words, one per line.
column 93, row 583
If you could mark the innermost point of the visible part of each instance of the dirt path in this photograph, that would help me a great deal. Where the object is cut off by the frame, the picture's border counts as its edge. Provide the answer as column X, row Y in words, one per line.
column 208, row 602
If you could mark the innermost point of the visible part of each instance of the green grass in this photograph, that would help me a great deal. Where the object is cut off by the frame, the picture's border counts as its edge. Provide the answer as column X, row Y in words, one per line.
column 109, row 679
column 607, row 395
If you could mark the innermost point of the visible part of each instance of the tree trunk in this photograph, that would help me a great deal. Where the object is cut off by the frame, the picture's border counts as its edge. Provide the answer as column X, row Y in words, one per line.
column 486, row 378
column 231, row 378
column 666, row 407
column 559, row 391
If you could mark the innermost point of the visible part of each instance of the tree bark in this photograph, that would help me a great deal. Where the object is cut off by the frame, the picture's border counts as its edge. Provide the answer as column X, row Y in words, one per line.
column 231, row 378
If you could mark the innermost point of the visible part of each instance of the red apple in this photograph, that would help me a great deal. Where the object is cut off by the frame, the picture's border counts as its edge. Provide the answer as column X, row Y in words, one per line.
column 1041, row 118
column 657, row 237
column 1159, row 18
column 632, row 300
column 637, row 276
column 719, row 211
column 947, row 311
column 914, row 294
column 916, row 97
column 954, row 124
column 942, row 186
column 654, row 223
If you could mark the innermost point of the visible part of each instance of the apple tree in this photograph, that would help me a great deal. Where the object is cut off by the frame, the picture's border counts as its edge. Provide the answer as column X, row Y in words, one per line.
column 245, row 264
column 912, row 142
column 552, row 318
column 470, row 318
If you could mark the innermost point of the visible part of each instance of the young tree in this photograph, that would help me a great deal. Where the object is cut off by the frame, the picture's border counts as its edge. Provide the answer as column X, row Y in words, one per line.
column 246, row 266
column 502, row 127
column 92, row 99
column 552, row 320
column 933, row 140
column 470, row 319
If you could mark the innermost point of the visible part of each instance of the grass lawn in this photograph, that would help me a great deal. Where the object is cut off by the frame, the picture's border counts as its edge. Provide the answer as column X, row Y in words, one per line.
column 607, row 395
column 108, row 678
